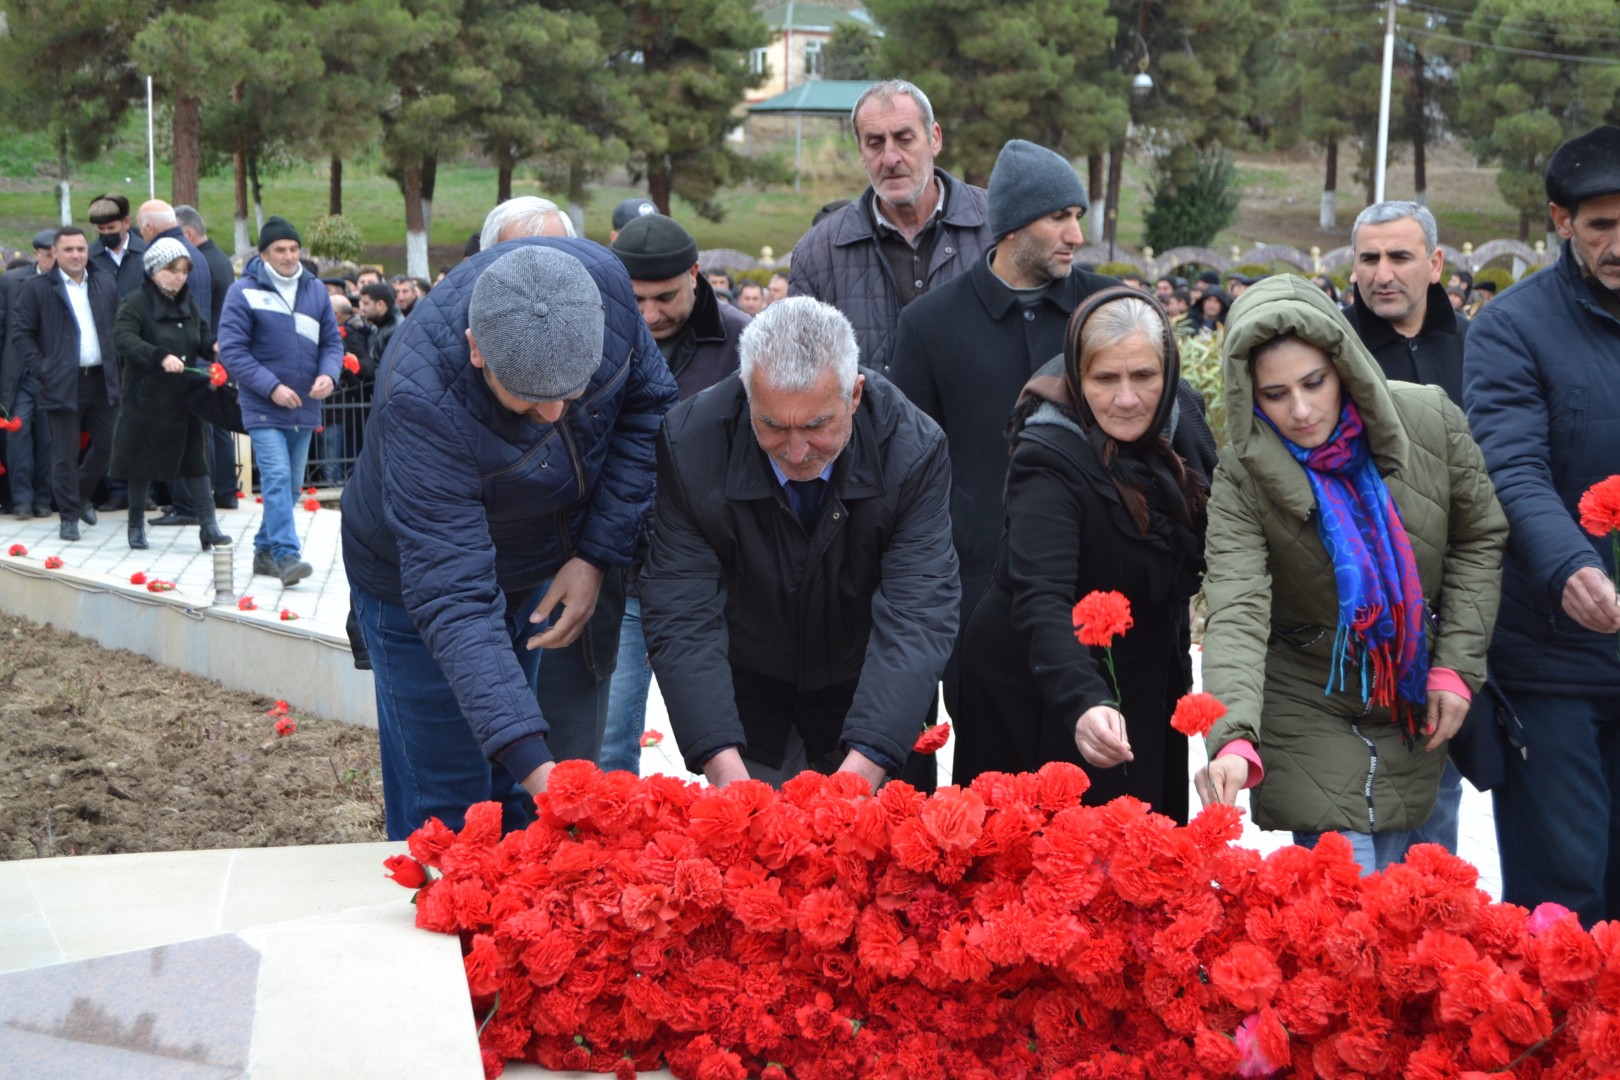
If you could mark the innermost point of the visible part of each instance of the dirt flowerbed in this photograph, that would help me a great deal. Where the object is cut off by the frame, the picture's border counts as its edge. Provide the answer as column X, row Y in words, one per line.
column 103, row 751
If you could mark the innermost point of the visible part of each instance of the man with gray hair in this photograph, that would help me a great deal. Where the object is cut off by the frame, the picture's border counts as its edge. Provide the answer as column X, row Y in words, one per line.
column 801, row 555
column 507, row 465
column 1400, row 310
column 526, row 215
column 1407, row 323
column 913, row 229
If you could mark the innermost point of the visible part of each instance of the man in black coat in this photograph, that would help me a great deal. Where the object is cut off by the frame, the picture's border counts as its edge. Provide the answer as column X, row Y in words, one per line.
column 965, row 350
column 223, row 273
column 62, row 328
column 1402, row 313
column 28, row 452
column 800, row 556
column 116, row 250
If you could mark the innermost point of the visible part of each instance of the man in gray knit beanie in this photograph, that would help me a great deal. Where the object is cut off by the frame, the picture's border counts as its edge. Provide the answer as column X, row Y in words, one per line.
column 964, row 351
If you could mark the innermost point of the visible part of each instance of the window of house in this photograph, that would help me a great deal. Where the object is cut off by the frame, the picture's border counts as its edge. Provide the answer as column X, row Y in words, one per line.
column 812, row 59
column 758, row 62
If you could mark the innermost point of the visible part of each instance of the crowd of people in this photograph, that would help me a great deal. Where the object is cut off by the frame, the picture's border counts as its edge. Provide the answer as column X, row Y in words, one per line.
column 804, row 508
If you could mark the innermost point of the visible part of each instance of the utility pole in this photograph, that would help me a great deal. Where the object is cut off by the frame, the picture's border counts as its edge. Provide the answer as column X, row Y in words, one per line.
column 1382, row 165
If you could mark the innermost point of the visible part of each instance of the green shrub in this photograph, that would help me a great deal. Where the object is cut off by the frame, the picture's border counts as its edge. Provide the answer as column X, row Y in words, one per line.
column 1201, row 366
column 336, row 239
column 1499, row 276
column 1120, row 269
column 1193, row 212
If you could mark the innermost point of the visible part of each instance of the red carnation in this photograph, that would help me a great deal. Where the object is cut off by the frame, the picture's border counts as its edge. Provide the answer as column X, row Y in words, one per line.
column 286, row 726
column 53, row 562
column 159, row 585
column 1100, row 617
column 1600, row 507
column 309, row 490
column 312, row 504
column 246, row 604
column 1196, row 713
column 16, row 551
column 137, row 578
column 287, row 615
column 932, row 738
column 217, row 375
column 84, row 441
column 351, row 363
column 14, row 424
column 281, row 708
column 405, row 870
column 652, row 738
column 1246, row 975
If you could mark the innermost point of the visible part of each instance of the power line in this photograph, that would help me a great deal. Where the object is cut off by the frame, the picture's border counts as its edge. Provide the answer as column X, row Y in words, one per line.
column 1537, row 53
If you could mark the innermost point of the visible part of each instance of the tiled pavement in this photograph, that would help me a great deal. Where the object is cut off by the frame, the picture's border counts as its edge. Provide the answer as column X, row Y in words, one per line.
column 322, row 603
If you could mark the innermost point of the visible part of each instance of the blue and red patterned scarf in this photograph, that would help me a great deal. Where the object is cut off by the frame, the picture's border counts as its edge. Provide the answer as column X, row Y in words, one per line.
column 1381, row 606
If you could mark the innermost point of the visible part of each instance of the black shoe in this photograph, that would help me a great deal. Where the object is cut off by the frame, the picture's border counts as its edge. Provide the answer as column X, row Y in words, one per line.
column 69, row 530
column 292, row 570
column 41, row 512
column 24, row 514
column 265, row 563
column 224, row 502
column 211, row 536
column 120, row 503
column 172, row 518
column 87, row 514
column 137, row 538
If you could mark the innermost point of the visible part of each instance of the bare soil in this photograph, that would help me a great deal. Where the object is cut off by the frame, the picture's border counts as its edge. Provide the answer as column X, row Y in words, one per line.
column 104, row 751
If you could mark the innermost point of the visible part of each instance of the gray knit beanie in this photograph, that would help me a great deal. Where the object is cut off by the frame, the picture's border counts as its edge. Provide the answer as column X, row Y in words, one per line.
column 536, row 316
column 1029, row 182
column 162, row 252
column 655, row 248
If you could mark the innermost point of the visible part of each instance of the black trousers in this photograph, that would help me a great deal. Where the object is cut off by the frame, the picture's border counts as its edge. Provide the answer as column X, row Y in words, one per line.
column 74, row 482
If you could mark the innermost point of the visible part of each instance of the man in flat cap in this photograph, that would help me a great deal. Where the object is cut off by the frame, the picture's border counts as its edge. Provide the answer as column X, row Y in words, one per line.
column 964, row 351
column 1541, row 382
column 28, row 451
column 507, row 464
column 117, row 249
column 698, row 336
column 279, row 340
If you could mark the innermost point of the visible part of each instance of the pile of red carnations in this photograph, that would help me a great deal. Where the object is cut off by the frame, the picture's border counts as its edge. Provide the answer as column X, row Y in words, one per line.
column 1002, row 930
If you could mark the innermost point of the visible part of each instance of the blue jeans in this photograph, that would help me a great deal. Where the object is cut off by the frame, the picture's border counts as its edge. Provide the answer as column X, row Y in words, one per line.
column 280, row 454
column 627, row 698
column 1441, row 828
column 29, row 451
column 1558, row 809
column 432, row 764
column 1372, row 851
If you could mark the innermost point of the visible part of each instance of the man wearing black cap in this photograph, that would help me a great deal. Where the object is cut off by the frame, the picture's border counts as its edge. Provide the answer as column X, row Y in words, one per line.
column 698, row 336
column 117, row 250
column 696, row 333
column 279, row 340
column 964, row 351
column 507, row 464
column 626, row 212
column 28, row 451
column 1541, row 381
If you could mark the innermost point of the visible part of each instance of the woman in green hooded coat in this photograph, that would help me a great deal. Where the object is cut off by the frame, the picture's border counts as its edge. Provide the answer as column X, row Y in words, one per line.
column 1355, row 551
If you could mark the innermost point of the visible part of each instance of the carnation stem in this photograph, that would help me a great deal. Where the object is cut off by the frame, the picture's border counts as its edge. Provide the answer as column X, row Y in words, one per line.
column 495, row 1007
column 1514, row 1064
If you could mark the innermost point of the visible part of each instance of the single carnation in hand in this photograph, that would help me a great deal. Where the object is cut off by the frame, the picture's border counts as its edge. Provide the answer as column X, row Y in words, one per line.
column 217, row 375
column 1196, row 713
column 932, row 738
column 351, row 363
column 1100, row 617
column 1600, row 507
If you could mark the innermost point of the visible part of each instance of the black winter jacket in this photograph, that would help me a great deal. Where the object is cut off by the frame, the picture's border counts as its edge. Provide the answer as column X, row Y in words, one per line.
column 1434, row 357
column 45, row 335
column 127, row 274
column 733, row 581
column 11, row 366
column 456, row 503
column 1541, row 380
column 707, row 351
column 155, row 430
column 961, row 354
column 840, row 262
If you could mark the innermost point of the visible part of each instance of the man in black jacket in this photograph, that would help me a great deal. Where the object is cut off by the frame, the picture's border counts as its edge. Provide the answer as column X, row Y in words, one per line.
column 29, row 450
column 223, row 274
column 1402, row 313
column 62, row 328
column 964, row 351
column 117, row 250
column 800, row 556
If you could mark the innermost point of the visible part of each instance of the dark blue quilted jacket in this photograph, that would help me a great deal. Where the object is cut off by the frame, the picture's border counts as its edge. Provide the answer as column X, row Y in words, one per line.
column 455, row 503
column 1541, row 380
column 264, row 344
